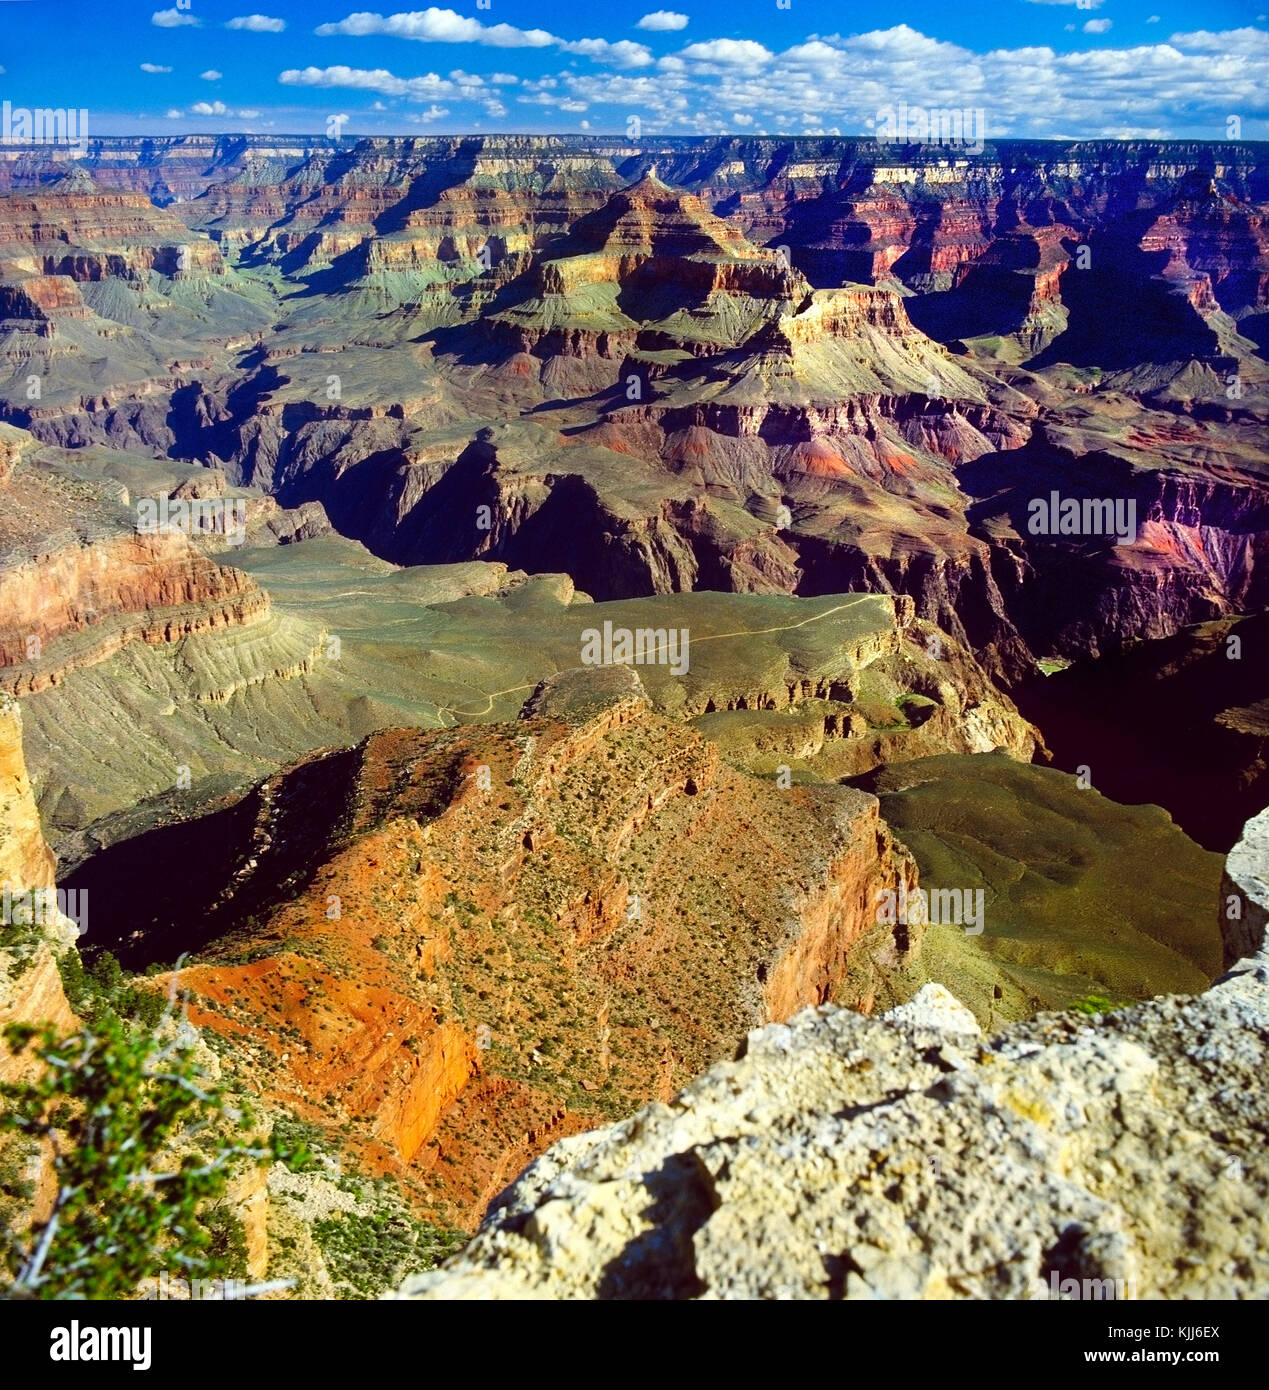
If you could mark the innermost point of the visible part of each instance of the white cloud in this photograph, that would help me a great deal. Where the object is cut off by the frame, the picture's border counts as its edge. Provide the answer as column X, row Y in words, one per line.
column 172, row 19
column 256, row 24
column 662, row 21
column 211, row 75
column 622, row 54
column 733, row 52
column 1231, row 42
column 1096, row 26
column 209, row 108
column 245, row 115
column 1154, row 19
column 1083, row 4
column 435, row 25
column 739, row 118
column 439, row 26
column 555, row 103
column 503, row 79
column 174, row 113
column 425, row 88
column 1181, row 88
column 154, row 67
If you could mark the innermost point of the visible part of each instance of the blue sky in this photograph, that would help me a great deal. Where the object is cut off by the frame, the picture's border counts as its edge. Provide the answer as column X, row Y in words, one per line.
column 1042, row 68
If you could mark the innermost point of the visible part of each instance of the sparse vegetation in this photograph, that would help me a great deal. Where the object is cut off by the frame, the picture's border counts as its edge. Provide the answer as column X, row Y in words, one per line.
column 368, row 1255
column 1094, row 1004
column 142, row 1143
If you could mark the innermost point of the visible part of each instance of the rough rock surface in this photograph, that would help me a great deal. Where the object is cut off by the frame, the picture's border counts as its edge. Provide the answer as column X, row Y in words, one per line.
column 30, row 985
column 1246, row 878
column 907, row 1157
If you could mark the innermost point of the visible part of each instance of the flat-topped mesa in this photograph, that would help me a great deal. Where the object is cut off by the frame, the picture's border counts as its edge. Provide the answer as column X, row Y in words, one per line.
column 38, row 301
column 1212, row 246
column 842, row 313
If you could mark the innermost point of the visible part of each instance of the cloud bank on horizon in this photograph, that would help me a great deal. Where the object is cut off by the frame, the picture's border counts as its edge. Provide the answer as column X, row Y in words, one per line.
column 1035, row 68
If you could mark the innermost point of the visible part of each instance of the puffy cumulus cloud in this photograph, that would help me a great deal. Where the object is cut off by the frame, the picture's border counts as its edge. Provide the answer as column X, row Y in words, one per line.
column 425, row 88
column 1083, row 4
column 1096, row 26
column 211, row 75
column 439, row 26
column 555, row 101
column 1182, row 88
column 815, row 51
column 1247, row 42
column 173, row 19
column 154, row 67
column 213, row 108
column 622, row 54
column 256, row 24
column 728, row 53
column 447, row 26
column 663, row 22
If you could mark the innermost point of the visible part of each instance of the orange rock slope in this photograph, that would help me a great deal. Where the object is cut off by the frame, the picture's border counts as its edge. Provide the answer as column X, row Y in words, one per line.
column 504, row 934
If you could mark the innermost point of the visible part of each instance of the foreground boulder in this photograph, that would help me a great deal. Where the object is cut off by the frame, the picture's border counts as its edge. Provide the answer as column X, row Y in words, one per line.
column 842, row 1156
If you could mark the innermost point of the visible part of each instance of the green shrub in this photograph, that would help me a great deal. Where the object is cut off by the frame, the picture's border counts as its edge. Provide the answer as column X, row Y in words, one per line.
column 367, row 1255
column 106, row 987
column 142, row 1143
column 1094, row 1004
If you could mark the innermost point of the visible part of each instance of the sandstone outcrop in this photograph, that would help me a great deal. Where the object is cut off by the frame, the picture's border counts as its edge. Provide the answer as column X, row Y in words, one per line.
column 32, row 930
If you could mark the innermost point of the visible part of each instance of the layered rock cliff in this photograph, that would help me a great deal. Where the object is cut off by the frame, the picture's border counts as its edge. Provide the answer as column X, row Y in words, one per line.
column 33, row 931
column 756, row 365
